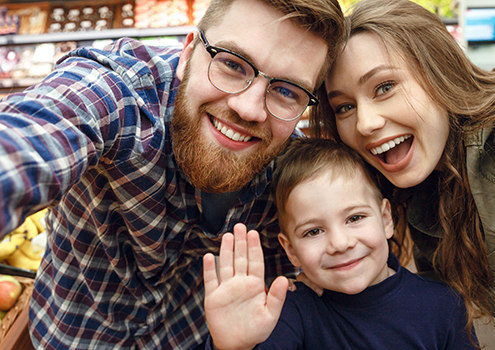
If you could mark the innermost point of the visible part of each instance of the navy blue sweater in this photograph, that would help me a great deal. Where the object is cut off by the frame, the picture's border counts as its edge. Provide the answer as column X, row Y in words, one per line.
column 403, row 312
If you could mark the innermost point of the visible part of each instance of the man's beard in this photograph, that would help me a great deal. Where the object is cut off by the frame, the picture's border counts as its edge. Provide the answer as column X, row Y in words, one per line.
column 209, row 166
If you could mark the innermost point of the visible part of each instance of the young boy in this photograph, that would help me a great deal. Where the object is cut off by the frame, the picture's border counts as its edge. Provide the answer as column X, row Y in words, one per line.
column 335, row 226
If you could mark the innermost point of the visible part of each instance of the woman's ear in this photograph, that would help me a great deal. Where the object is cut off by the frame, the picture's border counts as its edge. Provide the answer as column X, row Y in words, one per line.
column 388, row 222
column 289, row 249
column 186, row 54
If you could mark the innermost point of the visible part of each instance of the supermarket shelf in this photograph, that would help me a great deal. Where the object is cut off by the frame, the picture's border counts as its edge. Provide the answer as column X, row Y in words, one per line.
column 8, row 83
column 94, row 35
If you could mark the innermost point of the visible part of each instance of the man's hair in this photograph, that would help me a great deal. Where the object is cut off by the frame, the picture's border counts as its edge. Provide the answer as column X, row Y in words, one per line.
column 306, row 158
column 323, row 18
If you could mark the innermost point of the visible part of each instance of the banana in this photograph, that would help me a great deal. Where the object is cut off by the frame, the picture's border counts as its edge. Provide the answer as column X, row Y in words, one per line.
column 39, row 219
column 22, row 237
column 34, row 248
column 19, row 259
column 28, row 227
column 10, row 243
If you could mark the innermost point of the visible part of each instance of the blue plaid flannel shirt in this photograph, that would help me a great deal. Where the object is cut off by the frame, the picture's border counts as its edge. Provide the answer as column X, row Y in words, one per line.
column 123, row 265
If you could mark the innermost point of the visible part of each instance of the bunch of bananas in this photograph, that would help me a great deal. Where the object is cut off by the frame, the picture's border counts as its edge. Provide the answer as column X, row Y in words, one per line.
column 24, row 247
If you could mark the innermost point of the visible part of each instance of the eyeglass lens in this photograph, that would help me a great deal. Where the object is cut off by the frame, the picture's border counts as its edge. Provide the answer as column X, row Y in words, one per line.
column 232, row 74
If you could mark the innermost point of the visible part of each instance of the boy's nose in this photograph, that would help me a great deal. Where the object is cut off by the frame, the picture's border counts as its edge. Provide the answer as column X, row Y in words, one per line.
column 339, row 242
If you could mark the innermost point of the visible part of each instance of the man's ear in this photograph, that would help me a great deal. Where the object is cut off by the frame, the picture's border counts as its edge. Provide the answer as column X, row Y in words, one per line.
column 388, row 222
column 186, row 54
column 289, row 250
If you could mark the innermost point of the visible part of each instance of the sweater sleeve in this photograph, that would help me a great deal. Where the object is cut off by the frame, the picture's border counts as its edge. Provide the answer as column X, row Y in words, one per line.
column 289, row 332
column 457, row 337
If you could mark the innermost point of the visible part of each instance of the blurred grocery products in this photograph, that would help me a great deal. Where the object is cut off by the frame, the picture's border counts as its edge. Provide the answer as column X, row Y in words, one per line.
column 24, row 247
column 53, row 28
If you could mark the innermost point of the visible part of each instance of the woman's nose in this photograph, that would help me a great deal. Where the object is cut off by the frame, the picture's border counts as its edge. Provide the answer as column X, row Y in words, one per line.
column 369, row 120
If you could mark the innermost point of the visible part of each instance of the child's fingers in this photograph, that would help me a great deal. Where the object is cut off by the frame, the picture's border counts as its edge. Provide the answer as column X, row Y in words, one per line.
column 240, row 250
column 255, row 253
column 209, row 273
column 226, row 268
column 276, row 295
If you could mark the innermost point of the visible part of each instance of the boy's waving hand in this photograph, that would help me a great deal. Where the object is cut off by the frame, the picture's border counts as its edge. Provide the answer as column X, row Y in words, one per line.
column 239, row 312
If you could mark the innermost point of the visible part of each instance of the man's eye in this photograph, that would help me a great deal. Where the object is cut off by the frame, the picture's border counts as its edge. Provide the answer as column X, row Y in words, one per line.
column 313, row 232
column 354, row 218
column 233, row 66
column 285, row 92
column 384, row 88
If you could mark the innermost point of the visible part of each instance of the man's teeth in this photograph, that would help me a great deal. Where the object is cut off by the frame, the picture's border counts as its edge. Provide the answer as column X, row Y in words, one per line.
column 231, row 134
column 389, row 145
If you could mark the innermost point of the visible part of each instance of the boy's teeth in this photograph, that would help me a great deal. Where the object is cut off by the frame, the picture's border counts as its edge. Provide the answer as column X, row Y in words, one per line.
column 231, row 134
column 389, row 145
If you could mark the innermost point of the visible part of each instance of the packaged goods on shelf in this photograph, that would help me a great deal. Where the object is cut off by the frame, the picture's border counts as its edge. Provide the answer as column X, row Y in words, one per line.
column 126, row 15
column 74, row 17
column 170, row 13
column 23, row 19
column 161, row 13
column 9, row 58
column 9, row 22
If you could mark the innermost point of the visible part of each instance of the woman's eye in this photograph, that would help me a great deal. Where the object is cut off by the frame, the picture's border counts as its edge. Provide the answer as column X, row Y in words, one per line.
column 354, row 218
column 384, row 88
column 342, row 109
column 313, row 232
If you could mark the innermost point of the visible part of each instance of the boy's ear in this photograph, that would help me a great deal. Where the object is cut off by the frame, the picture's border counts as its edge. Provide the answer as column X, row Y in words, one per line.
column 186, row 54
column 388, row 222
column 289, row 250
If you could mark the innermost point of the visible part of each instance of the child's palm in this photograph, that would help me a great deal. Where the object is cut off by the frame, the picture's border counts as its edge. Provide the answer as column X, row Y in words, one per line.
column 239, row 312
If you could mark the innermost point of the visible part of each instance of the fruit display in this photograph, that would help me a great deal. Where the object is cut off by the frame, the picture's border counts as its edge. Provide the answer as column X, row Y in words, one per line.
column 10, row 290
column 24, row 247
column 15, row 292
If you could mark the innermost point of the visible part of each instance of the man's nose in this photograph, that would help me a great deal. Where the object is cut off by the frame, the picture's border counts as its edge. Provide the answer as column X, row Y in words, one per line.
column 250, row 104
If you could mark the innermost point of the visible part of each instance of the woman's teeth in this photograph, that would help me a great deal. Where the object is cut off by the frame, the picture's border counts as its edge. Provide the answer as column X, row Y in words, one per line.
column 231, row 134
column 389, row 145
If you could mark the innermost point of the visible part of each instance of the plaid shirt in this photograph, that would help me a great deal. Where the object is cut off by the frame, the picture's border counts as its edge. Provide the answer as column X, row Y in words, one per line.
column 123, row 265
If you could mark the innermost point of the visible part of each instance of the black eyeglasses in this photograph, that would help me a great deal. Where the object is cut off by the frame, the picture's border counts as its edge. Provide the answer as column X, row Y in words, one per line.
column 231, row 73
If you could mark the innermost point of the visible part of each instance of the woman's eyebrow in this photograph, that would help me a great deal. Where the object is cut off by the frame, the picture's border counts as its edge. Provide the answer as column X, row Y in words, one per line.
column 363, row 79
column 367, row 76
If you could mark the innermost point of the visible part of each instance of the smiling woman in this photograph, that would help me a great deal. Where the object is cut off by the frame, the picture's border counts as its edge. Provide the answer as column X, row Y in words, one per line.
column 377, row 104
column 405, row 96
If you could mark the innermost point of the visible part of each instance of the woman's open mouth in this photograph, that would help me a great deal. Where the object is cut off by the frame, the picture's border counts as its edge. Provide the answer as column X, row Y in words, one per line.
column 394, row 151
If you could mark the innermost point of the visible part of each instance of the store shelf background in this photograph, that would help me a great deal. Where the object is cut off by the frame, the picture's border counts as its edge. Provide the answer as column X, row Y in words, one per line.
column 34, row 35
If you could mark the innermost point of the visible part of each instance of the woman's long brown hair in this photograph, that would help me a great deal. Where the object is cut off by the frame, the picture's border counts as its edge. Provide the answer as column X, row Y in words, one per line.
column 468, row 94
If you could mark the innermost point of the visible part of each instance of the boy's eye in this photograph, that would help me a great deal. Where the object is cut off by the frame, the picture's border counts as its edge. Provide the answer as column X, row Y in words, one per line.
column 383, row 88
column 313, row 232
column 354, row 218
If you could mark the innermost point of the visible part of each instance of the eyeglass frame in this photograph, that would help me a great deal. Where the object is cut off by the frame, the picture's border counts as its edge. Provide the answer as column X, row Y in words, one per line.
column 214, row 50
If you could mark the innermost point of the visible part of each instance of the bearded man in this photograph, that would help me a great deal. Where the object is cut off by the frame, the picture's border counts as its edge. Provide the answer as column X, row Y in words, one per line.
column 145, row 155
